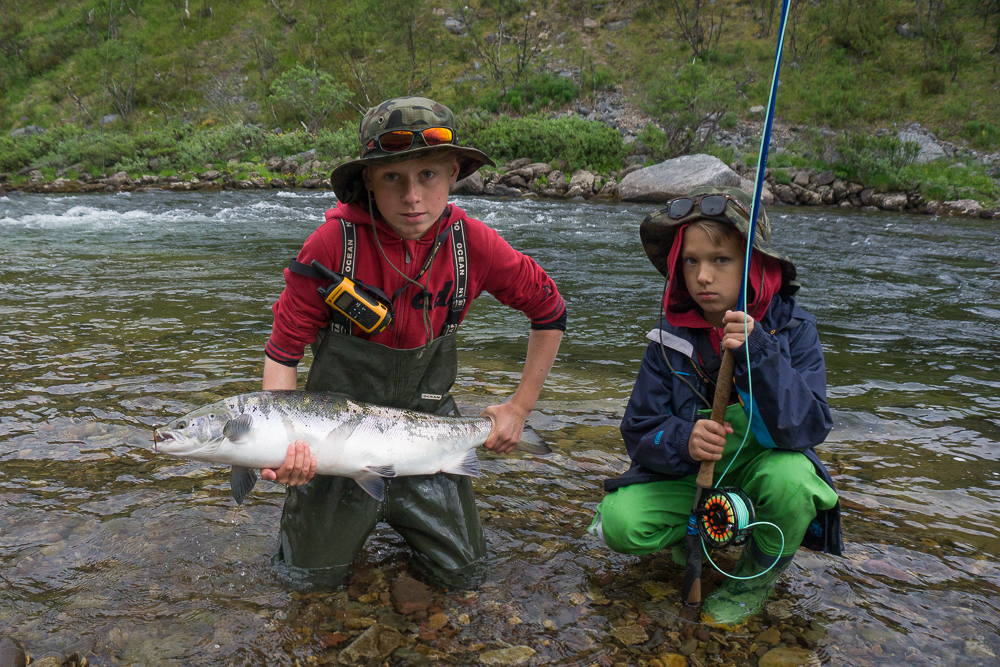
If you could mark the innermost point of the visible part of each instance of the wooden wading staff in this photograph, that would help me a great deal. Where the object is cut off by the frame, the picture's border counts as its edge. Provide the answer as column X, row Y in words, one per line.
column 691, row 593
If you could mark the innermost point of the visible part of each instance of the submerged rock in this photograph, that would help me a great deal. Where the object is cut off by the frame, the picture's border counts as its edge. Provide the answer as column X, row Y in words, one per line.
column 516, row 655
column 785, row 656
column 11, row 653
column 375, row 643
column 630, row 635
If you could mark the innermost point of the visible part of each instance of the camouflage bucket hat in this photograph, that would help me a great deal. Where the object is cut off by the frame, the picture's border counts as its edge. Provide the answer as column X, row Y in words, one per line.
column 412, row 114
column 658, row 230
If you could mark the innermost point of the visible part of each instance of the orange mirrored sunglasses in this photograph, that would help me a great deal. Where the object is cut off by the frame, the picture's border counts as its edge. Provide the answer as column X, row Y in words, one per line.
column 397, row 141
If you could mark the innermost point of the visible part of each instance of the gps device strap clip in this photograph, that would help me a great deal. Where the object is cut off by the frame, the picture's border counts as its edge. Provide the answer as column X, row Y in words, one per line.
column 365, row 305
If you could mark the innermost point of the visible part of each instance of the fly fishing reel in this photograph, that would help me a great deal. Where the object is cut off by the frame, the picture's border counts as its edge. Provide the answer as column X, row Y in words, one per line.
column 724, row 517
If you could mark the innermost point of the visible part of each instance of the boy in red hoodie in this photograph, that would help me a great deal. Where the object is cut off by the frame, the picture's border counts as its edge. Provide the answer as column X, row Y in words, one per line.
column 395, row 231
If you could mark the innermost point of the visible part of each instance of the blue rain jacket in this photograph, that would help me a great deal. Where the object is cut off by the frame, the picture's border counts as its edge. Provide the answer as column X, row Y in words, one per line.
column 789, row 407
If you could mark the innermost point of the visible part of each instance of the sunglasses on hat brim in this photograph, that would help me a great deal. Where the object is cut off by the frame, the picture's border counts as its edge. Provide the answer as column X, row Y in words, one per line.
column 712, row 206
column 397, row 141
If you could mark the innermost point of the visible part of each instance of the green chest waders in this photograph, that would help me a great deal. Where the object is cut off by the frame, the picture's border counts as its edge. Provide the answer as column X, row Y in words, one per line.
column 326, row 522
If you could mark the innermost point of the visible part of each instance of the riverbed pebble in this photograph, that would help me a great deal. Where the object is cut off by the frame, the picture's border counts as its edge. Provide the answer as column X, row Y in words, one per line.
column 515, row 655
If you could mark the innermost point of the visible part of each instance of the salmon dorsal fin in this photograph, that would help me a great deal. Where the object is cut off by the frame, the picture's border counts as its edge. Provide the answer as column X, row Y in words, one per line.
column 468, row 465
column 238, row 428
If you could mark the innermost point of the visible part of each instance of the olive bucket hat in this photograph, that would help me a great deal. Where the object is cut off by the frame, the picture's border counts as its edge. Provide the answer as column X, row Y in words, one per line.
column 395, row 131
column 658, row 230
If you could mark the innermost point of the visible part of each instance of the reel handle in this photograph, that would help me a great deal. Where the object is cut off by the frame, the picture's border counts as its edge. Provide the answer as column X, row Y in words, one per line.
column 719, row 405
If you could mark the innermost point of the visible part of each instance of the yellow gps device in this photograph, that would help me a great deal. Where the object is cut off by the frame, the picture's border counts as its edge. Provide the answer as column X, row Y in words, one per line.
column 355, row 302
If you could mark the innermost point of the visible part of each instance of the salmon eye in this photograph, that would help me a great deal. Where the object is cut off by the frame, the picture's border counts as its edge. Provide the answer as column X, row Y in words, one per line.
column 182, row 423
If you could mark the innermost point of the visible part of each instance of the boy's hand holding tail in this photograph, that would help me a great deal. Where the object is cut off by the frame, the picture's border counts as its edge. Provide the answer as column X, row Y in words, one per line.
column 708, row 440
column 735, row 334
column 508, row 424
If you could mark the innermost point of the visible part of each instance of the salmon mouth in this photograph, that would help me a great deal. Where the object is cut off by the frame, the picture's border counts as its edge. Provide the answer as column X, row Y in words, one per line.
column 160, row 436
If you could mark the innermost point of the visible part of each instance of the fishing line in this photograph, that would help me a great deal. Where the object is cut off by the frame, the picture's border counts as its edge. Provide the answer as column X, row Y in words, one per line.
column 731, row 503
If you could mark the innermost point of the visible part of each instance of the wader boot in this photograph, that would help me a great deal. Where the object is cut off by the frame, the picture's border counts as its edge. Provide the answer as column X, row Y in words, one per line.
column 736, row 600
column 326, row 522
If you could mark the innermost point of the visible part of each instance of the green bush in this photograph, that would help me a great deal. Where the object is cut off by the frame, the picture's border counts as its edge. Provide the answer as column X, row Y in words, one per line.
column 942, row 181
column 984, row 136
column 657, row 141
column 932, row 83
column 879, row 161
column 681, row 101
column 176, row 147
column 313, row 94
column 581, row 144
column 539, row 92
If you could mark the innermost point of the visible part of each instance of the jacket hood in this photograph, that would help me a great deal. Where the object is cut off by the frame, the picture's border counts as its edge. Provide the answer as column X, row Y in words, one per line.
column 679, row 308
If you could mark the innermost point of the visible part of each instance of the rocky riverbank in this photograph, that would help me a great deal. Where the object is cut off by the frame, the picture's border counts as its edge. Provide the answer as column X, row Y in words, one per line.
column 523, row 178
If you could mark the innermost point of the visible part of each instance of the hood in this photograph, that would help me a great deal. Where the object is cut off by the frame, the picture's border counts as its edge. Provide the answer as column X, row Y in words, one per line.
column 679, row 307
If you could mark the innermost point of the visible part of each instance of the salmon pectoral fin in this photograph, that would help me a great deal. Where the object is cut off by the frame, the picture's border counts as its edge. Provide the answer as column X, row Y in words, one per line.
column 238, row 429
column 372, row 484
column 241, row 483
column 468, row 465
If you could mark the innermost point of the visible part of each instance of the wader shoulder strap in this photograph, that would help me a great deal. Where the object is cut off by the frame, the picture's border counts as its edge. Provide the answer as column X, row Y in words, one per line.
column 708, row 361
column 460, row 254
column 348, row 256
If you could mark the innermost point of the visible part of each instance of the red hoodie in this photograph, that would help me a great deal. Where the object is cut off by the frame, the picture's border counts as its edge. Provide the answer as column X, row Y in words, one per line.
column 512, row 278
column 680, row 309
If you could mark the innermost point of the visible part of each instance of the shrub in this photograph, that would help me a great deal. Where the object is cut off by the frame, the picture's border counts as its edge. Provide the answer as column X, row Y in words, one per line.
column 581, row 144
column 932, row 83
column 984, row 136
column 684, row 101
column 538, row 92
column 879, row 161
column 314, row 95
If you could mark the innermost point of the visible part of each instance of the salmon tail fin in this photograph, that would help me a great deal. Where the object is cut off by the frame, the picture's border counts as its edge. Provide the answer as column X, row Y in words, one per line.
column 531, row 443
column 241, row 483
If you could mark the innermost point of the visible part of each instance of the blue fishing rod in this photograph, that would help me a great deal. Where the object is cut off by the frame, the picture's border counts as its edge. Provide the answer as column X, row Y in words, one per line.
column 701, row 522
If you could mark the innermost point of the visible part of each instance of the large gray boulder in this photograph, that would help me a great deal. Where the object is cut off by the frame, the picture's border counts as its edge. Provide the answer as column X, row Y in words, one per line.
column 930, row 149
column 470, row 185
column 675, row 178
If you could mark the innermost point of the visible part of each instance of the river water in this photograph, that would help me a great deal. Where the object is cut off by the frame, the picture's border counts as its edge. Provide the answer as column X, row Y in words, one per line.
column 119, row 312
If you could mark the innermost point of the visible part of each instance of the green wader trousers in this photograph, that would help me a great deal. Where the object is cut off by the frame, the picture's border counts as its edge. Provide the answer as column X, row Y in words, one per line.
column 782, row 485
column 325, row 523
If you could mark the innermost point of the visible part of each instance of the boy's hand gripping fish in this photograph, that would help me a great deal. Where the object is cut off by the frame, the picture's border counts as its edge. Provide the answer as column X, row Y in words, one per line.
column 349, row 439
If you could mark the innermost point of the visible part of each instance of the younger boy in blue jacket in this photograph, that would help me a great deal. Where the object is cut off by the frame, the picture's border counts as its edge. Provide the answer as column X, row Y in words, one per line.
column 698, row 242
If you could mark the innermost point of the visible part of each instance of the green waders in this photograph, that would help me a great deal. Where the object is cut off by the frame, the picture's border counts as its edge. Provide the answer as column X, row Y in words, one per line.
column 783, row 486
column 326, row 522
